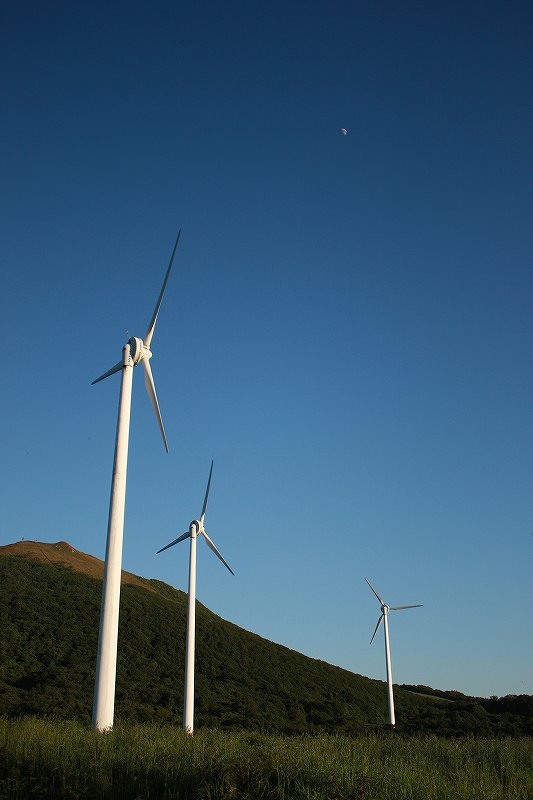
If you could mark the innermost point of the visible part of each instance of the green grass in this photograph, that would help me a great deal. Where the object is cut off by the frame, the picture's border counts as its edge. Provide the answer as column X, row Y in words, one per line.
column 48, row 759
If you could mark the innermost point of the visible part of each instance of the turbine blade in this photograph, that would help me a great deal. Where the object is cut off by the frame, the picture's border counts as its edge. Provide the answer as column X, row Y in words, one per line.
column 377, row 595
column 376, row 628
column 179, row 539
column 399, row 608
column 151, row 326
column 213, row 547
column 204, row 507
column 109, row 372
column 150, row 388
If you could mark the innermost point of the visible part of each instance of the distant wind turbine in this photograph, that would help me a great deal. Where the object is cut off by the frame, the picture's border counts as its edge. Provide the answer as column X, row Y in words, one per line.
column 383, row 617
column 133, row 352
column 196, row 528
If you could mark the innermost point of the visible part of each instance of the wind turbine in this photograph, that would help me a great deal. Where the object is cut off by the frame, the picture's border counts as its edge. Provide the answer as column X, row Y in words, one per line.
column 134, row 351
column 196, row 528
column 383, row 617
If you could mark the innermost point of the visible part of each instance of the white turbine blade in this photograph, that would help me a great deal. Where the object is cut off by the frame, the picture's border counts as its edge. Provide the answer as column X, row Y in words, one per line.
column 150, row 388
column 211, row 544
column 179, row 539
column 151, row 326
column 204, row 507
column 376, row 628
column 399, row 608
column 377, row 595
column 109, row 372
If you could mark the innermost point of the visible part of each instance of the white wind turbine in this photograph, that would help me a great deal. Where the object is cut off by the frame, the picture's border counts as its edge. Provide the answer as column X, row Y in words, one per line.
column 196, row 528
column 133, row 352
column 383, row 617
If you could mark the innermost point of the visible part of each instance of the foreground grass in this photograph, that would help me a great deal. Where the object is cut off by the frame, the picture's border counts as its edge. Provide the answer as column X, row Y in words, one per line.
column 60, row 760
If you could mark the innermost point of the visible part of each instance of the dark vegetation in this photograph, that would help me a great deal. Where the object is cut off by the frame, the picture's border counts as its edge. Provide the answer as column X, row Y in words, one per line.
column 49, row 617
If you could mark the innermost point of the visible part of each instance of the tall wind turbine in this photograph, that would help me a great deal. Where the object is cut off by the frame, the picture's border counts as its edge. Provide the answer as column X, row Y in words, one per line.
column 136, row 350
column 383, row 617
column 196, row 528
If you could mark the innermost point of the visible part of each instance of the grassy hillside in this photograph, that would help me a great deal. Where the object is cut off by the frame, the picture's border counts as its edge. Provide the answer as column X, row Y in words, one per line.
column 49, row 616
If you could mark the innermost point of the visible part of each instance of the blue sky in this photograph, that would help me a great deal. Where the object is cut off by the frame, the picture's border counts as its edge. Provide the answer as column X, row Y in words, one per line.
column 346, row 331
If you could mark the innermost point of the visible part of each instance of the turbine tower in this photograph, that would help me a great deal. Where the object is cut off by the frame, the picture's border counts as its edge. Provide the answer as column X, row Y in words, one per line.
column 196, row 528
column 383, row 617
column 134, row 351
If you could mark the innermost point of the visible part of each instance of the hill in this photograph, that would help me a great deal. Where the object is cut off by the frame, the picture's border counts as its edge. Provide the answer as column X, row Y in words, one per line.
column 49, row 615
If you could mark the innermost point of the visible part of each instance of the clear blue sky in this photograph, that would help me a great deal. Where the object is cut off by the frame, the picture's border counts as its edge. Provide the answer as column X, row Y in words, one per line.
column 347, row 330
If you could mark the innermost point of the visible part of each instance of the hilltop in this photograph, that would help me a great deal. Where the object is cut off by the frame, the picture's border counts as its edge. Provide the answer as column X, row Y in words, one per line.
column 63, row 554
column 49, row 616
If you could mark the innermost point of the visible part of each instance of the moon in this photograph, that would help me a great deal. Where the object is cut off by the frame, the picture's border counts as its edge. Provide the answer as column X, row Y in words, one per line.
column 344, row 131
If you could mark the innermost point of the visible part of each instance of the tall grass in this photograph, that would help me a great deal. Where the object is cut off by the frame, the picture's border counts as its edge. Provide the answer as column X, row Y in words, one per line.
column 66, row 760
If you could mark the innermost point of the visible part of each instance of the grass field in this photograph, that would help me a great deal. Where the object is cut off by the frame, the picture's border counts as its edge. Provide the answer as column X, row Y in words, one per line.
column 46, row 759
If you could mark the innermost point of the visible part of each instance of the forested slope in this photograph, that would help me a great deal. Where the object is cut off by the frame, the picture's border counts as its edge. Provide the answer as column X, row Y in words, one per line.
column 49, row 617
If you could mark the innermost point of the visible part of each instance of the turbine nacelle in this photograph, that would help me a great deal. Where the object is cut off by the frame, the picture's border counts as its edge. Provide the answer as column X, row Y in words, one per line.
column 138, row 350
